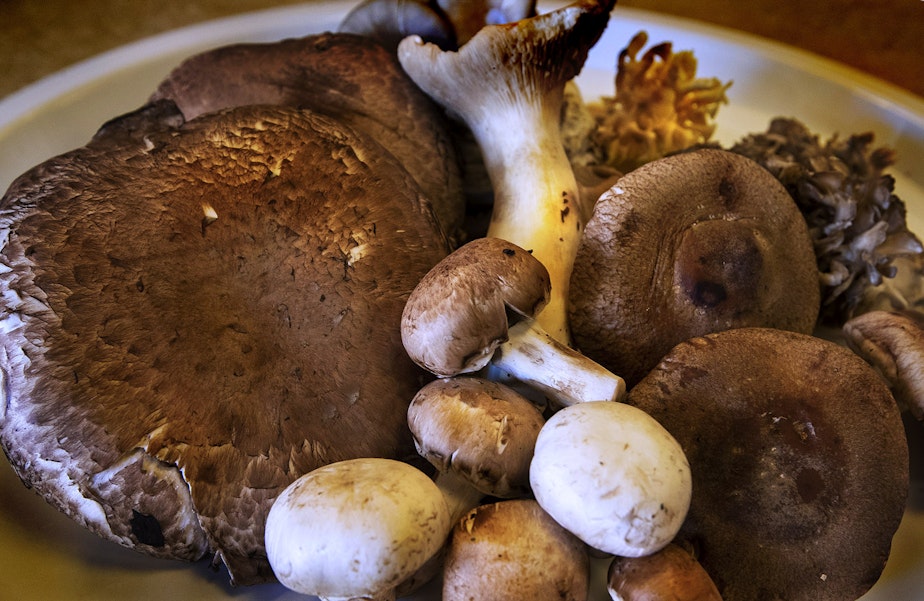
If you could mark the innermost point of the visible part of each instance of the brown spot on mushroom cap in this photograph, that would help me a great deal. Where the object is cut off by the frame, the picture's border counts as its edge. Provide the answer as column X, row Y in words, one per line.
column 345, row 76
column 684, row 246
column 235, row 355
column 514, row 549
column 799, row 461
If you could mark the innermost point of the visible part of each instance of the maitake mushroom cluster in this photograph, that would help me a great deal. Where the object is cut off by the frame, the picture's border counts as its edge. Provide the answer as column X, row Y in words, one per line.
column 629, row 375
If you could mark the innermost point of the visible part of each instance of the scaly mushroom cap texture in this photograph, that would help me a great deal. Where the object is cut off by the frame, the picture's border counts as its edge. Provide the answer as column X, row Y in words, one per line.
column 345, row 76
column 194, row 317
column 799, row 461
column 684, row 246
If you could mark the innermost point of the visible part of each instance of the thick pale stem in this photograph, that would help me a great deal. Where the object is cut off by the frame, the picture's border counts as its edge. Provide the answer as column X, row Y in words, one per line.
column 536, row 199
column 562, row 374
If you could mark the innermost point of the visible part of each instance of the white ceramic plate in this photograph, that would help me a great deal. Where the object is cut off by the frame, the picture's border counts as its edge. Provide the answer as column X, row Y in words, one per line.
column 49, row 557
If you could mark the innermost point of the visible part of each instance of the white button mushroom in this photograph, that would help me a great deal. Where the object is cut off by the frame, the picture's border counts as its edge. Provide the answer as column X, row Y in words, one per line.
column 355, row 529
column 613, row 476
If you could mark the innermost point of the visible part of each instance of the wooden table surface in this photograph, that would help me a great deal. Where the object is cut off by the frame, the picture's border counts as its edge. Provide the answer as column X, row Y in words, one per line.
column 884, row 38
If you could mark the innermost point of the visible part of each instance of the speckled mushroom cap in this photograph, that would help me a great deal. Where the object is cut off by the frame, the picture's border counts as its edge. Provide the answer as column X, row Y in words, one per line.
column 345, row 76
column 687, row 245
column 192, row 321
column 799, row 461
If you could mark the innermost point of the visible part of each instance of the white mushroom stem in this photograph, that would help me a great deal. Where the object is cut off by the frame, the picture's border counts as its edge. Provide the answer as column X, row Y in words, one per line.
column 563, row 375
column 461, row 497
column 507, row 85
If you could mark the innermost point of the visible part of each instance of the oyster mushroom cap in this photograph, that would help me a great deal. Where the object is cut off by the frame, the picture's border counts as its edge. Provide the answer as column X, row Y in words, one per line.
column 799, row 460
column 347, row 77
column 194, row 320
column 683, row 246
column 893, row 343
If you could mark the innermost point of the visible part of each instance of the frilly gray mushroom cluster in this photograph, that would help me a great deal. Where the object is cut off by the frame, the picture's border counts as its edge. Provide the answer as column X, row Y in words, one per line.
column 855, row 220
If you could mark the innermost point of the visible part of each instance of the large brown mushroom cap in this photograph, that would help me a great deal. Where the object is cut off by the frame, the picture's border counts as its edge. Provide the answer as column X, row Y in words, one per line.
column 684, row 246
column 799, row 461
column 345, row 76
column 194, row 320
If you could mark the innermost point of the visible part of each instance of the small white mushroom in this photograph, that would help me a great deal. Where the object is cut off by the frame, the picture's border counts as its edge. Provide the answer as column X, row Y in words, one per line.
column 355, row 529
column 613, row 476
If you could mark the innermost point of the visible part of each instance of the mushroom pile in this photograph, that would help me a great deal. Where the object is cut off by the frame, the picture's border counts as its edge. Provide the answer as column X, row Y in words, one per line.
column 257, row 302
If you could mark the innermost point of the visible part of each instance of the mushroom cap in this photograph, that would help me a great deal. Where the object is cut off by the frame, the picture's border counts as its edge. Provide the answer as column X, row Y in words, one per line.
column 221, row 302
column 347, row 77
column 670, row 574
column 893, row 343
column 683, row 246
column 799, row 461
column 355, row 529
column 613, row 476
column 456, row 316
column 511, row 551
column 482, row 430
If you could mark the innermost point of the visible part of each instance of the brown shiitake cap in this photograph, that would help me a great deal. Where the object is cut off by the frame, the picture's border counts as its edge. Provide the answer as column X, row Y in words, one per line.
column 687, row 245
column 482, row 430
column 345, row 76
column 799, row 461
column 512, row 551
column 193, row 321
column 671, row 574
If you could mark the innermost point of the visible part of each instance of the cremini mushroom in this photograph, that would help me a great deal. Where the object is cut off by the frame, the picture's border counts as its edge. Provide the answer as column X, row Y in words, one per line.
column 456, row 321
column 893, row 343
column 514, row 551
column 479, row 434
column 347, row 77
column 611, row 475
column 671, row 574
column 355, row 529
column 506, row 84
column 194, row 316
column 683, row 246
column 799, row 460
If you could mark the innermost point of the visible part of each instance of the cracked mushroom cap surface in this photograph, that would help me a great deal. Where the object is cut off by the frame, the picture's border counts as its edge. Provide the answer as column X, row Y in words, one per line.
column 799, row 461
column 194, row 320
column 345, row 76
column 687, row 245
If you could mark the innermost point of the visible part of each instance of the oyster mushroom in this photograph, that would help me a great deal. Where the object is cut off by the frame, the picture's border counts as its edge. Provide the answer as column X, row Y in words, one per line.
column 684, row 246
column 182, row 321
column 893, row 343
column 507, row 84
column 347, row 77
column 456, row 322
column 480, row 435
column 799, row 461
column 356, row 529
column 513, row 551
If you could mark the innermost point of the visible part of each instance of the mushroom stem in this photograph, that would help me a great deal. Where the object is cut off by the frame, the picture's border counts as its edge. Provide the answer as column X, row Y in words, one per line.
column 563, row 375
column 461, row 497
column 507, row 85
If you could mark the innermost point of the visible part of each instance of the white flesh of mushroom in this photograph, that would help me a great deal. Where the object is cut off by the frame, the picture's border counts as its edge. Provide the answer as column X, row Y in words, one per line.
column 507, row 85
